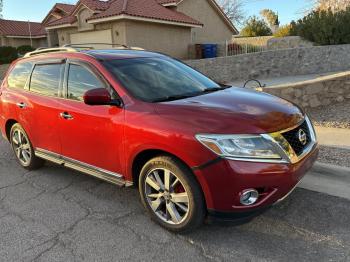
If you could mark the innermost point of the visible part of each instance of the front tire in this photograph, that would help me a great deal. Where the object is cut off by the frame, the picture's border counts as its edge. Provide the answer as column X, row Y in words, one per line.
column 171, row 194
column 23, row 148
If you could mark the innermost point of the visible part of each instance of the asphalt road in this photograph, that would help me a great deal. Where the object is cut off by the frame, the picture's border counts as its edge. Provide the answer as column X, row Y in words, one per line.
column 55, row 214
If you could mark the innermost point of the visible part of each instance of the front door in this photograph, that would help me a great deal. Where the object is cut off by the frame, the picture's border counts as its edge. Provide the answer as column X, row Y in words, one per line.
column 90, row 135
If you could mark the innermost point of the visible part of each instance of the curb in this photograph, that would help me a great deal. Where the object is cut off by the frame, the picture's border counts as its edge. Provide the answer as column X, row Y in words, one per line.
column 331, row 170
column 328, row 179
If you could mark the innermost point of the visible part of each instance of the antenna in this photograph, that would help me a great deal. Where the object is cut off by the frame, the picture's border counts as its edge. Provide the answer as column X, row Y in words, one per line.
column 1, row 5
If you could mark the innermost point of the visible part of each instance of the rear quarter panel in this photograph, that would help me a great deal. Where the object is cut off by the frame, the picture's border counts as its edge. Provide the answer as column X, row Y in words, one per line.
column 8, row 101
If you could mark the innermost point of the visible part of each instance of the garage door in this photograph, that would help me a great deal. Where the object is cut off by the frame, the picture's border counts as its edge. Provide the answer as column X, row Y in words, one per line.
column 103, row 36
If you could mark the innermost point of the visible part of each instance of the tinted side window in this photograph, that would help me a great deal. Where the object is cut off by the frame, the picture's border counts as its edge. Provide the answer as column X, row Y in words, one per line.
column 81, row 80
column 46, row 79
column 19, row 75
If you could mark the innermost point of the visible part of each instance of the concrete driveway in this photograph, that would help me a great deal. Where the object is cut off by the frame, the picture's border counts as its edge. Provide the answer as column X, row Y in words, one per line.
column 55, row 214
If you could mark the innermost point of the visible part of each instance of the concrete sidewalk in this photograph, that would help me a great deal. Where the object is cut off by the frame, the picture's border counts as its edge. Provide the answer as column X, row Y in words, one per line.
column 288, row 80
column 333, row 137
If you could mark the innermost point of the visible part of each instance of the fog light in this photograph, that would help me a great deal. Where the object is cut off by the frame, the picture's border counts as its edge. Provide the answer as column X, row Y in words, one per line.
column 249, row 197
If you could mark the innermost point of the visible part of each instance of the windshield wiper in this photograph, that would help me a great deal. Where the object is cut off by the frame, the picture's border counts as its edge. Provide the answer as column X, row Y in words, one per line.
column 175, row 97
column 214, row 89
column 178, row 97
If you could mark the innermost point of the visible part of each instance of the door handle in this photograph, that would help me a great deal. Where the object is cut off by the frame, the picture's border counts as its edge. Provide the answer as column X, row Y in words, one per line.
column 21, row 105
column 66, row 116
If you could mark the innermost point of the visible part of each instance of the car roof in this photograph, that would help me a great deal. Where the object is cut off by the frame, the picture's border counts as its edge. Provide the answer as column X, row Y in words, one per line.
column 98, row 54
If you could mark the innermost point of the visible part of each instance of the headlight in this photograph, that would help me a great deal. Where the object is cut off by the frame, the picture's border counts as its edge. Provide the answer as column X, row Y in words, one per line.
column 245, row 147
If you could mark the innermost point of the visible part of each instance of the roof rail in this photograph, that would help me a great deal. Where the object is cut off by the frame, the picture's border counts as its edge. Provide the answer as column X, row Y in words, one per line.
column 42, row 50
column 86, row 45
column 76, row 48
column 114, row 46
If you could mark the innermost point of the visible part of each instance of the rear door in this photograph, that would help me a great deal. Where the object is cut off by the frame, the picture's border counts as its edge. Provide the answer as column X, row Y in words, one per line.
column 39, row 107
column 90, row 134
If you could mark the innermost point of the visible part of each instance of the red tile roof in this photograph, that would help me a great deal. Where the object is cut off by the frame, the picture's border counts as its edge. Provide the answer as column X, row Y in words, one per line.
column 52, row 15
column 162, row 2
column 150, row 9
column 62, row 21
column 146, row 9
column 95, row 5
column 65, row 7
column 21, row 28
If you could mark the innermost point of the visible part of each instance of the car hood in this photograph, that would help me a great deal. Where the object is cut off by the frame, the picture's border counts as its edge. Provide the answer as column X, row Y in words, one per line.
column 232, row 111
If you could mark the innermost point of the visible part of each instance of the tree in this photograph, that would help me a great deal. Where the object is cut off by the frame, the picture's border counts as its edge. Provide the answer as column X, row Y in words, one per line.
column 333, row 5
column 283, row 31
column 270, row 17
column 234, row 10
column 324, row 27
column 255, row 27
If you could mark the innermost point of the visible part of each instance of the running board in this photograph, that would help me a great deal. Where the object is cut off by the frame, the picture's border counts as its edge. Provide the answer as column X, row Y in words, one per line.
column 102, row 174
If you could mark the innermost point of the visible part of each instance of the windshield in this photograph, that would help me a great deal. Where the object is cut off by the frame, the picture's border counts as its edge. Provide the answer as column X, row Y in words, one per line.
column 159, row 79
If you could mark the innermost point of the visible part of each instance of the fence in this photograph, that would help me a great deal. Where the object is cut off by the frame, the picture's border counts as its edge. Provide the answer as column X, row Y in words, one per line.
column 233, row 48
column 241, row 46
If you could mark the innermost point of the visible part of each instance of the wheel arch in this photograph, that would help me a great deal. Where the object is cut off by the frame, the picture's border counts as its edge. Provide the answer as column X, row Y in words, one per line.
column 144, row 156
column 8, row 126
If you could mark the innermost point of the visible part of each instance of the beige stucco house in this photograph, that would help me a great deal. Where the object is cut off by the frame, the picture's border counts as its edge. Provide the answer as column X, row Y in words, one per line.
column 18, row 33
column 168, row 26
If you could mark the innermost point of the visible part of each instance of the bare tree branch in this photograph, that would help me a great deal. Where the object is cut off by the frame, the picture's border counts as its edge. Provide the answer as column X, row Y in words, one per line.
column 234, row 10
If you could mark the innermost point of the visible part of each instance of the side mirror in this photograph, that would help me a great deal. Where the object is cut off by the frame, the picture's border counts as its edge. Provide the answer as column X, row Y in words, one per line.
column 98, row 97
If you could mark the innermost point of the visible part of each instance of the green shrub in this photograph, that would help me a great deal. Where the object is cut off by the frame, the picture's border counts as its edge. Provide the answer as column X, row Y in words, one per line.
column 324, row 27
column 283, row 31
column 8, row 54
column 256, row 27
column 23, row 49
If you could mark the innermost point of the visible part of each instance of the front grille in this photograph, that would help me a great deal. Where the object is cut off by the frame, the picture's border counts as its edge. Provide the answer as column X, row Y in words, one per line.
column 293, row 138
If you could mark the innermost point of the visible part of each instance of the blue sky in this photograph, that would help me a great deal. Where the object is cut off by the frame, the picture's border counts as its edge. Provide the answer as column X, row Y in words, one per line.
column 35, row 10
column 288, row 10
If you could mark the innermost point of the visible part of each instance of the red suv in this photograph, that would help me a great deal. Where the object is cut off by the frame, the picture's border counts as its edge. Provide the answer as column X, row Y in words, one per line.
column 194, row 148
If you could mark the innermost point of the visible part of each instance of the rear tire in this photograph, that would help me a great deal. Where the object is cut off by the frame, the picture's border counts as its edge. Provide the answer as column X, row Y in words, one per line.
column 171, row 194
column 23, row 149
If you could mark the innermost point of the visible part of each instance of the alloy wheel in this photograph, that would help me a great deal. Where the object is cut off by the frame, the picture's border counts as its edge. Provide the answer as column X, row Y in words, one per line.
column 167, row 196
column 22, row 147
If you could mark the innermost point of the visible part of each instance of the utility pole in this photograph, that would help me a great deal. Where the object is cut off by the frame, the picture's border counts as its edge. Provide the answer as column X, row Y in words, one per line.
column 30, row 33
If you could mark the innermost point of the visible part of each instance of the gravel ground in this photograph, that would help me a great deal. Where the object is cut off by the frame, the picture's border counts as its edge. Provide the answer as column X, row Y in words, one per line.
column 336, row 115
column 334, row 156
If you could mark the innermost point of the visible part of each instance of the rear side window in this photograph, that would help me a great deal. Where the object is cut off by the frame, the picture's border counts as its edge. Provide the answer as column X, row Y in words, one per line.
column 46, row 79
column 80, row 80
column 19, row 75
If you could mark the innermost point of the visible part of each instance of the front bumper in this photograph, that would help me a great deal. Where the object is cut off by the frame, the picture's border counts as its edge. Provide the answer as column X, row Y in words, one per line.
column 224, row 180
